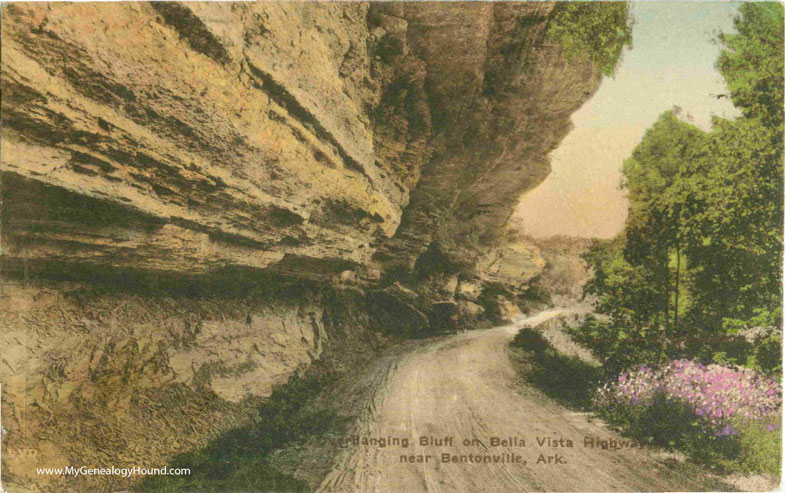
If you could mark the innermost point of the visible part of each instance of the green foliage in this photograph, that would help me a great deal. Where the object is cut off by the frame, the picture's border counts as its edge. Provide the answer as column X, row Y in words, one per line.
column 568, row 380
column 737, row 207
column 697, row 271
column 530, row 339
column 619, row 345
column 752, row 64
column 658, row 221
column 700, row 258
column 754, row 447
column 760, row 449
column 767, row 353
column 599, row 30
column 665, row 423
column 236, row 461
column 659, row 160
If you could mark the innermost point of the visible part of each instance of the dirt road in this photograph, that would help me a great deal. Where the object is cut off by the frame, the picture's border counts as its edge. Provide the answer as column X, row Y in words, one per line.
column 463, row 388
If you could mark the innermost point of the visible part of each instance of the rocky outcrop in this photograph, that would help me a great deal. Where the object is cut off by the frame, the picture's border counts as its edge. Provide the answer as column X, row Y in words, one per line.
column 207, row 196
column 119, row 377
column 500, row 95
column 201, row 128
column 299, row 139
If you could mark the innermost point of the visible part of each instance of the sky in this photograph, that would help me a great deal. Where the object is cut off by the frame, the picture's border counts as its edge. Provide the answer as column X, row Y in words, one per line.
column 671, row 63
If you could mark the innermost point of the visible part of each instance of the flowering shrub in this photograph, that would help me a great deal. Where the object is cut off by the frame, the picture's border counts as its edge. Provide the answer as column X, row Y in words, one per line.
column 693, row 406
column 715, row 393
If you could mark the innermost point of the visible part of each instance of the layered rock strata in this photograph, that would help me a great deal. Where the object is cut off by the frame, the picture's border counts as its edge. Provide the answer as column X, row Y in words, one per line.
column 369, row 152
column 296, row 138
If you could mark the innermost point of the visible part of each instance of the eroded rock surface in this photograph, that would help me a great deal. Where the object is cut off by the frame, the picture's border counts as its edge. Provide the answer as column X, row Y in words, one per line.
column 299, row 138
column 372, row 151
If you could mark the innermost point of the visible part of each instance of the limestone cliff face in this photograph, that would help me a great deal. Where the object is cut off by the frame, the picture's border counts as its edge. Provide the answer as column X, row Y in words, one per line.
column 118, row 377
column 297, row 138
column 330, row 171
column 198, row 135
column 500, row 95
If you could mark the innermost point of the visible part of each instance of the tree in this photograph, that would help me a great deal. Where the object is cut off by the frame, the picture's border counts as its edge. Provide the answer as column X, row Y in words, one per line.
column 599, row 30
column 741, row 185
column 657, row 223
column 752, row 64
column 701, row 253
column 737, row 256
column 624, row 335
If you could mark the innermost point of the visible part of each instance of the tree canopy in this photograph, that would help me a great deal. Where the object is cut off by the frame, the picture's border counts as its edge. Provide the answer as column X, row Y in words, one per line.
column 700, row 257
column 599, row 30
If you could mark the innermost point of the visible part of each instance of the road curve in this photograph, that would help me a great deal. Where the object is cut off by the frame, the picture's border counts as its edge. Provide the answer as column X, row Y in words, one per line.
column 464, row 387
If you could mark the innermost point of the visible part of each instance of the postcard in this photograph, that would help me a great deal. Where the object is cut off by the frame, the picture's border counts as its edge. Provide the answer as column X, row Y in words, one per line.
column 292, row 246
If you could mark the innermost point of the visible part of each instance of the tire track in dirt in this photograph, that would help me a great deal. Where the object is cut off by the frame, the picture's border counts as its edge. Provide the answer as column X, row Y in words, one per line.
column 464, row 386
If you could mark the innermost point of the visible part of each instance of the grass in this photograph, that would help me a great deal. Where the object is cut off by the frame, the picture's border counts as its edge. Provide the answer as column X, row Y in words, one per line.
column 754, row 449
column 571, row 381
column 760, row 449
column 568, row 380
column 237, row 460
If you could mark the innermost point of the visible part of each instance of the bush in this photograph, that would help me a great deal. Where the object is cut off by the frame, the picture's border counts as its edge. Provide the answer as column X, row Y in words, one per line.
column 599, row 30
column 620, row 347
column 531, row 340
column 721, row 416
column 761, row 447
column 566, row 379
